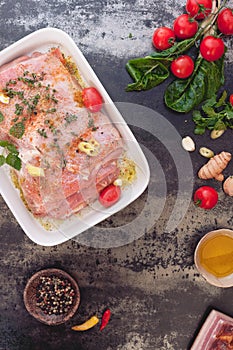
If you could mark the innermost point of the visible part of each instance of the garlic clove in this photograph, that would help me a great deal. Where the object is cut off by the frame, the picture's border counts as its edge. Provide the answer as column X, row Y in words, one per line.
column 118, row 182
column 91, row 147
column 215, row 134
column 35, row 170
column 4, row 98
column 206, row 152
column 188, row 144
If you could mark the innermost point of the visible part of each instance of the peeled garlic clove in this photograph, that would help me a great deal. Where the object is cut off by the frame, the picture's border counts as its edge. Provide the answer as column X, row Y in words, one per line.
column 4, row 98
column 206, row 152
column 91, row 147
column 118, row 182
column 188, row 144
column 35, row 170
column 215, row 134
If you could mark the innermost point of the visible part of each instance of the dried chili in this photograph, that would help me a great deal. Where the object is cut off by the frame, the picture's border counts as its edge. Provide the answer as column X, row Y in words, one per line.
column 105, row 319
column 86, row 325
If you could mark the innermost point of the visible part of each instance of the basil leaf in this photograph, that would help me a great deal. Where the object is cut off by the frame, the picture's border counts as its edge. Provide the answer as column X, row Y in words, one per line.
column 9, row 146
column 1, row 117
column 147, row 72
column 2, row 160
column 14, row 161
column 4, row 143
column 185, row 95
column 17, row 130
column 12, row 149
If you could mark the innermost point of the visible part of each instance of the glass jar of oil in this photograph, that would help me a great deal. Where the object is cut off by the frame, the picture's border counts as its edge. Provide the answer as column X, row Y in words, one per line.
column 214, row 257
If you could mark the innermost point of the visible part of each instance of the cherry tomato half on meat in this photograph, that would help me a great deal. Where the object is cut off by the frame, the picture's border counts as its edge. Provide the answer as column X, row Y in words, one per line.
column 199, row 8
column 163, row 38
column 205, row 197
column 92, row 99
column 212, row 48
column 231, row 99
column 110, row 195
column 185, row 27
column 225, row 21
column 182, row 67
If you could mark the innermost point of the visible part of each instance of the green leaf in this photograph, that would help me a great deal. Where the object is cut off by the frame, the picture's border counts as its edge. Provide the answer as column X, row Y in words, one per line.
column 222, row 99
column 228, row 112
column 176, row 49
column 197, row 116
column 1, row 117
column 14, row 161
column 220, row 125
column 4, row 143
column 214, row 76
column 150, row 71
column 12, row 149
column 17, row 130
column 210, row 102
column 147, row 72
column 199, row 130
column 184, row 95
column 209, row 110
column 2, row 160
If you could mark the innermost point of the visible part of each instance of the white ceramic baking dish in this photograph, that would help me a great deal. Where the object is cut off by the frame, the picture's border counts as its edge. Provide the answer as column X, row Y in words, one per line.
column 49, row 232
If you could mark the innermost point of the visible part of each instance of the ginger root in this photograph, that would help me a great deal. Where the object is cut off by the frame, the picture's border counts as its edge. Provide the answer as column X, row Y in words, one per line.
column 228, row 186
column 214, row 167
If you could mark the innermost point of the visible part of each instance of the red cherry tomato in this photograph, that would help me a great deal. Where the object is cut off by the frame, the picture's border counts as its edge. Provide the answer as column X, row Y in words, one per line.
column 163, row 38
column 185, row 27
column 109, row 195
column 92, row 99
column 205, row 197
column 212, row 48
column 182, row 67
column 231, row 99
column 199, row 8
column 225, row 21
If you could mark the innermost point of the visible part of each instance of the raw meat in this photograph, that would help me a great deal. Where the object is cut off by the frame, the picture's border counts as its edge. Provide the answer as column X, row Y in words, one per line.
column 46, row 121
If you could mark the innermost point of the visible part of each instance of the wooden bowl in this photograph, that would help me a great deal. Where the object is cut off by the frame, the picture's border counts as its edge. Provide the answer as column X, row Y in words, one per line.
column 30, row 297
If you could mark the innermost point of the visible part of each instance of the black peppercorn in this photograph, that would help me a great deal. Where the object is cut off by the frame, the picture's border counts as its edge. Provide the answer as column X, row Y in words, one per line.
column 54, row 295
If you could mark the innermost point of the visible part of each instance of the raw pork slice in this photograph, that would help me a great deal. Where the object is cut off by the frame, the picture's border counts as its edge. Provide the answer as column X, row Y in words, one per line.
column 68, row 154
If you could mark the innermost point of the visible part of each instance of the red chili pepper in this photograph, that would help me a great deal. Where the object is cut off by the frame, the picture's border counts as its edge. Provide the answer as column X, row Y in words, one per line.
column 105, row 319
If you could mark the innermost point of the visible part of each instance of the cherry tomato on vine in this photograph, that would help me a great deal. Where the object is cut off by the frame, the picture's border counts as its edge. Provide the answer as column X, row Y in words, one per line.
column 205, row 197
column 185, row 27
column 225, row 21
column 163, row 38
column 231, row 99
column 182, row 67
column 92, row 99
column 199, row 8
column 212, row 48
column 110, row 195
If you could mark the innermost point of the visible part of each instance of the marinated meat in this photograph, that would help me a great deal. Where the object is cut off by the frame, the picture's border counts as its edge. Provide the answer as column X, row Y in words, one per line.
column 224, row 338
column 75, row 152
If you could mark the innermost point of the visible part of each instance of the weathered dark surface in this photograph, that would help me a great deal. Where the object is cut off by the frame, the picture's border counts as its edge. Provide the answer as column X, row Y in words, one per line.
column 157, row 298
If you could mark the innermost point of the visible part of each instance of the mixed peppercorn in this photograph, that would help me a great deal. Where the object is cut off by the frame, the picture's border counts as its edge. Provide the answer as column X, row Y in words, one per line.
column 55, row 296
